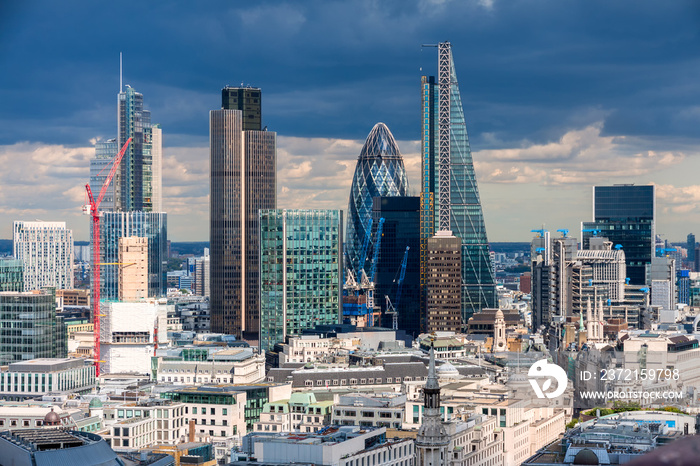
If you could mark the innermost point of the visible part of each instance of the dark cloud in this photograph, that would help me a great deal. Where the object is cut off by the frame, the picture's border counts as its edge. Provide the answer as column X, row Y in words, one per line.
column 332, row 68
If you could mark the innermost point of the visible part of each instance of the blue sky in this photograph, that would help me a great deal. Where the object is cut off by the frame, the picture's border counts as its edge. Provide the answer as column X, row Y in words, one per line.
column 559, row 95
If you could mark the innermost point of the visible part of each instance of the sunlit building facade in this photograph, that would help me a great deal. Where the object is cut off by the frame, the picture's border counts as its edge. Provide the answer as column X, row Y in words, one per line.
column 300, row 272
column 46, row 252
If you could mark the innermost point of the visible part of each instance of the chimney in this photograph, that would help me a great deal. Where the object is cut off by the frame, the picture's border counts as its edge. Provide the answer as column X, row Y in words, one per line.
column 191, row 437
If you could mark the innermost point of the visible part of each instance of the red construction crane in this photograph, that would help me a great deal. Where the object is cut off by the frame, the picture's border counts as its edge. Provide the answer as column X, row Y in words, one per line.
column 91, row 209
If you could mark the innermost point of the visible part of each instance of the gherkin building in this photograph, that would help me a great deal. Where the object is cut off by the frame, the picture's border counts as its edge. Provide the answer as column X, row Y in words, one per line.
column 379, row 172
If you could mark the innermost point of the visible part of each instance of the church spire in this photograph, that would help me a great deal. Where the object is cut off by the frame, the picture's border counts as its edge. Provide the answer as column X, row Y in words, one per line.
column 432, row 382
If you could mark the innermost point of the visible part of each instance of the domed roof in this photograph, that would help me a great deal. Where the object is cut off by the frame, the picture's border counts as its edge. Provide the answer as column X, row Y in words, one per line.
column 447, row 370
column 95, row 403
column 52, row 418
column 380, row 142
column 586, row 456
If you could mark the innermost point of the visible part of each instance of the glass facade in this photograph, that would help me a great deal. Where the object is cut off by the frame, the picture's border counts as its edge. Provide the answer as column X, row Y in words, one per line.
column 30, row 328
column 11, row 277
column 300, row 271
column 243, row 181
column 379, row 172
column 151, row 225
column 466, row 216
column 134, row 182
column 401, row 229
column 625, row 215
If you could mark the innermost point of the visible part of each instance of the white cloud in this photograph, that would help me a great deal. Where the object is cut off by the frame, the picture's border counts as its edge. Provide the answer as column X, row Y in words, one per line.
column 581, row 156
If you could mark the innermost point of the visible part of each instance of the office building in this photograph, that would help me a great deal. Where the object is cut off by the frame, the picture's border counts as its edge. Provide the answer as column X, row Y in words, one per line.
column 46, row 252
column 153, row 226
column 132, row 205
column 608, row 267
column 30, row 328
column 243, row 181
column 443, row 283
column 137, row 182
column 400, row 231
column 11, row 275
column 301, row 254
column 37, row 377
column 133, row 268
column 449, row 193
column 691, row 244
column 379, row 172
column 129, row 334
column 201, row 275
column 246, row 99
column 625, row 215
column 99, row 169
column 332, row 446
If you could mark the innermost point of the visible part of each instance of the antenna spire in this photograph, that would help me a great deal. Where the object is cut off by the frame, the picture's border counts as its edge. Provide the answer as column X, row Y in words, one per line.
column 121, row 88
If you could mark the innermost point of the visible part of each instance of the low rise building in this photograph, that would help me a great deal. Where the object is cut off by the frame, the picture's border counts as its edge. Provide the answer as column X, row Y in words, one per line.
column 37, row 377
column 203, row 365
column 44, row 447
column 226, row 410
column 615, row 439
column 342, row 446
column 366, row 410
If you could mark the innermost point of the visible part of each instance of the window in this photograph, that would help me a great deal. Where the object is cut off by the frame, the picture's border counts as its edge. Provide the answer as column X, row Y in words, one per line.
column 225, row 412
column 212, row 411
column 389, row 380
column 194, row 410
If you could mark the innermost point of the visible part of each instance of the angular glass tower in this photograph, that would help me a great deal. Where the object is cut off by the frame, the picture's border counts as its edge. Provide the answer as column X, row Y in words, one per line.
column 379, row 172
column 450, row 196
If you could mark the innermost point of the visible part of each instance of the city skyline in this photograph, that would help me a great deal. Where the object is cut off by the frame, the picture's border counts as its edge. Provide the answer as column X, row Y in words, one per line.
column 593, row 95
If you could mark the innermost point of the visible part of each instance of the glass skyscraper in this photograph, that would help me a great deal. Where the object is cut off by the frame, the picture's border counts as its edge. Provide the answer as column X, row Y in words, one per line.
column 136, row 188
column 450, row 195
column 401, row 230
column 150, row 225
column 243, row 160
column 11, row 275
column 30, row 328
column 625, row 214
column 379, row 172
column 133, row 201
column 300, row 272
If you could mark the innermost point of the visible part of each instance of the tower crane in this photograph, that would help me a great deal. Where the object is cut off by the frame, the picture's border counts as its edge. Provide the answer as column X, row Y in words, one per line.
column 363, row 253
column 92, row 209
column 377, row 246
column 393, row 309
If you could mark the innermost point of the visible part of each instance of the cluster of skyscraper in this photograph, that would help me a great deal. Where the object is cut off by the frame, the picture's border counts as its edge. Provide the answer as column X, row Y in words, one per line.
column 279, row 272
column 132, row 206
column 618, row 268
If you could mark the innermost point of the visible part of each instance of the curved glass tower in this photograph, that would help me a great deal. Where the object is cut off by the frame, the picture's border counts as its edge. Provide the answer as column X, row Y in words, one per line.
column 379, row 172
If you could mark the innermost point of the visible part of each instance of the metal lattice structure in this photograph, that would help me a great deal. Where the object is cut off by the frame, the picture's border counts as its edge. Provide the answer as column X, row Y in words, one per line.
column 444, row 66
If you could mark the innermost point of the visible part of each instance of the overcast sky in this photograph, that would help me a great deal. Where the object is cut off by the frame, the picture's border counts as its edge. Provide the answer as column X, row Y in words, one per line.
column 558, row 94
